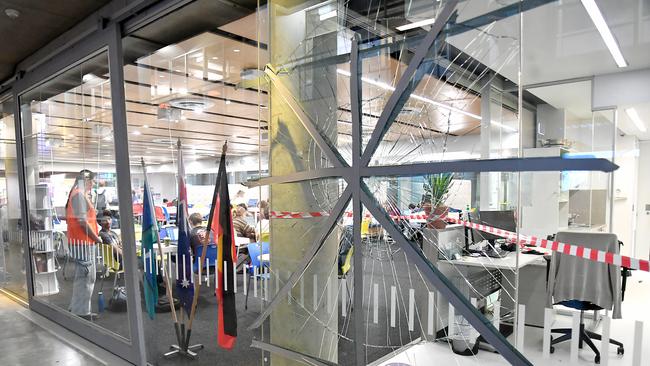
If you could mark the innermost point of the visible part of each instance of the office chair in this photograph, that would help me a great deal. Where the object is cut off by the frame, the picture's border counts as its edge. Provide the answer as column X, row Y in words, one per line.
column 584, row 272
column 255, row 251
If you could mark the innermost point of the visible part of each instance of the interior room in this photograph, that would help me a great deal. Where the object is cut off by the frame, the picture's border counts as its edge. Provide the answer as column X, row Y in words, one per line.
column 338, row 183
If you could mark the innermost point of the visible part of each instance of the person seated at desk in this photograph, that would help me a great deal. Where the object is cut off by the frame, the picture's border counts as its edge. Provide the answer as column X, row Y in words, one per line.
column 109, row 236
column 197, row 231
column 242, row 228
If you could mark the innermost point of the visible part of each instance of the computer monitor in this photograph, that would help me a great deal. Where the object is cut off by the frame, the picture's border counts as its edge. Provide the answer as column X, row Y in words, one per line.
column 504, row 220
column 252, row 202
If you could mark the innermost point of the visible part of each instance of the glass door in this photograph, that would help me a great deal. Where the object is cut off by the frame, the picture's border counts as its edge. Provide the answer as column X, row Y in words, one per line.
column 12, row 263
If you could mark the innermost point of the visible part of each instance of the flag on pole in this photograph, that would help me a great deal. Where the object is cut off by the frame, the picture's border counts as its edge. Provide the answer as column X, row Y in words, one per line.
column 149, row 237
column 220, row 223
column 184, row 282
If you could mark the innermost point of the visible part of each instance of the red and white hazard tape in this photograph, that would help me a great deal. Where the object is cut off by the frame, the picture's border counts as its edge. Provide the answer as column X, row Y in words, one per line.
column 296, row 215
column 565, row 248
column 569, row 249
column 306, row 215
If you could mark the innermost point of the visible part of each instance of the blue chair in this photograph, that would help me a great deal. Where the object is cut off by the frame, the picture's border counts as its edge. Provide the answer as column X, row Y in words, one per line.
column 255, row 251
column 210, row 257
column 162, row 233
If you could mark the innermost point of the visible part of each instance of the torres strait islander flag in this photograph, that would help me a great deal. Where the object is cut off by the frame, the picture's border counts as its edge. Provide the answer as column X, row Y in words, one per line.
column 149, row 237
column 220, row 223
column 184, row 282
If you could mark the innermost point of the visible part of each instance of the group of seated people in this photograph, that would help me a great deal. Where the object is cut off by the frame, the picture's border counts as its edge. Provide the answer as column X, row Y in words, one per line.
column 240, row 224
column 244, row 229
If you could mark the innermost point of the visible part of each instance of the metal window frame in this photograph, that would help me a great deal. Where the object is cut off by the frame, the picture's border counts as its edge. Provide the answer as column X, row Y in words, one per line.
column 109, row 40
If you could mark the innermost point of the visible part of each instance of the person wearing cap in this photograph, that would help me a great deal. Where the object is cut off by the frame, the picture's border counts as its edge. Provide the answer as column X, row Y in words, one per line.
column 110, row 237
column 83, row 234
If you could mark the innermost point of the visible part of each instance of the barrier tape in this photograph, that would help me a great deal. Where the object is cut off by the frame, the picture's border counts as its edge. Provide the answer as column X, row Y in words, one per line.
column 306, row 215
column 556, row 246
column 564, row 248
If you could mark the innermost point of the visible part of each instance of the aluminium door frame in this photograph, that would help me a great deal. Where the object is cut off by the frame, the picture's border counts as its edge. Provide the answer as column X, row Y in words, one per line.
column 107, row 39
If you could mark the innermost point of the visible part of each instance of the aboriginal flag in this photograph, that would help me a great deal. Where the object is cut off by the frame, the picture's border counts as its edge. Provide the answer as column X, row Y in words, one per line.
column 220, row 223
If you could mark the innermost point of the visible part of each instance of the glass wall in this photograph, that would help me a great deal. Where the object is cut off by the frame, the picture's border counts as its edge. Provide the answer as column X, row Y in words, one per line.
column 191, row 87
column 394, row 276
column 74, row 223
column 12, row 260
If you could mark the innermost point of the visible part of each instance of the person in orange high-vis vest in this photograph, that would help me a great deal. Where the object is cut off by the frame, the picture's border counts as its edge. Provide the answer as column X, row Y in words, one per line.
column 81, row 219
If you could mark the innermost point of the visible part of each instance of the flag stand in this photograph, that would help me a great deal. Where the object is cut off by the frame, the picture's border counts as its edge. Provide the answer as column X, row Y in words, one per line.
column 206, row 240
column 178, row 328
column 183, row 337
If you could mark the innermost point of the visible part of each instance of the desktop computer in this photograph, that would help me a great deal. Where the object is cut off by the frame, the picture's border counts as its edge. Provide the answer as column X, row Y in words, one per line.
column 504, row 220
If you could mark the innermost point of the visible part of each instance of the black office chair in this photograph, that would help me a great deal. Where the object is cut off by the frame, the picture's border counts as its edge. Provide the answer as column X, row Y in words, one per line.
column 585, row 336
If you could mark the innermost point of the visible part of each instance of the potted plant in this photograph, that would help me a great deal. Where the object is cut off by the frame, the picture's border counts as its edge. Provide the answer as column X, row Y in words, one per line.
column 436, row 189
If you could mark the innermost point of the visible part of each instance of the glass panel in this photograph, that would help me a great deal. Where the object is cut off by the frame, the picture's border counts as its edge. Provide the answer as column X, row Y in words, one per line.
column 200, row 85
column 74, row 226
column 12, row 260
column 406, row 314
column 456, row 106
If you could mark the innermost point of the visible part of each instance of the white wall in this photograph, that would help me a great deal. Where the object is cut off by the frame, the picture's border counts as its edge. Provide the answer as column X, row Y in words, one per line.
column 642, row 249
column 625, row 185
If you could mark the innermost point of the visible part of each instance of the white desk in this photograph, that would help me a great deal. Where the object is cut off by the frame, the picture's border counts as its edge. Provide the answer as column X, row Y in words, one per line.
column 507, row 262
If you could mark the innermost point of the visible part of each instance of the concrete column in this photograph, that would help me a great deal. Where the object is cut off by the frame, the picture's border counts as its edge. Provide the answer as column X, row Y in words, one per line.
column 295, row 34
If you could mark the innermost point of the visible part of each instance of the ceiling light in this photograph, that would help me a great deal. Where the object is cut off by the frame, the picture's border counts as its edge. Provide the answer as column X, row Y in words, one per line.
column 228, row 101
column 88, row 77
column 145, row 126
column 417, row 24
column 136, row 133
column 605, row 32
column 215, row 58
column 236, row 50
column 328, row 15
column 414, row 96
column 12, row 13
column 634, row 116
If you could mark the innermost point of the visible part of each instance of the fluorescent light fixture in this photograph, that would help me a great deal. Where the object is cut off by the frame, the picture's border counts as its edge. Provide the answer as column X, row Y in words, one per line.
column 634, row 116
column 328, row 15
column 605, row 32
column 414, row 96
column 417, row 24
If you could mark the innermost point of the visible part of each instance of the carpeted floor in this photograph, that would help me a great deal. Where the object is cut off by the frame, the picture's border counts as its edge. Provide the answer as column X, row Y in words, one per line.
column 381, row 338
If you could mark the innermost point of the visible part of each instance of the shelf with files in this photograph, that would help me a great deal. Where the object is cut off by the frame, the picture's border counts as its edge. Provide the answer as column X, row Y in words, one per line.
column 41, row 241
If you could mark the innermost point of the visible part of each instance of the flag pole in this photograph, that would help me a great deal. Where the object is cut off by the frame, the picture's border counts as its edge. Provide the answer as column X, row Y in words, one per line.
column 166, row 276
column 204, row 244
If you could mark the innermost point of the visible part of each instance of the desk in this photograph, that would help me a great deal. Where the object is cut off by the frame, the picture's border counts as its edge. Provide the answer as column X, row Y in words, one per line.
column 532, row 269
column 509, row 262
column 532, row 280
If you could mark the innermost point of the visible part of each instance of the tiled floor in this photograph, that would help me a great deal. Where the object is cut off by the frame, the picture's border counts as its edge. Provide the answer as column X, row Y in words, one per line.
column 635, row 308
column 28, row 339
